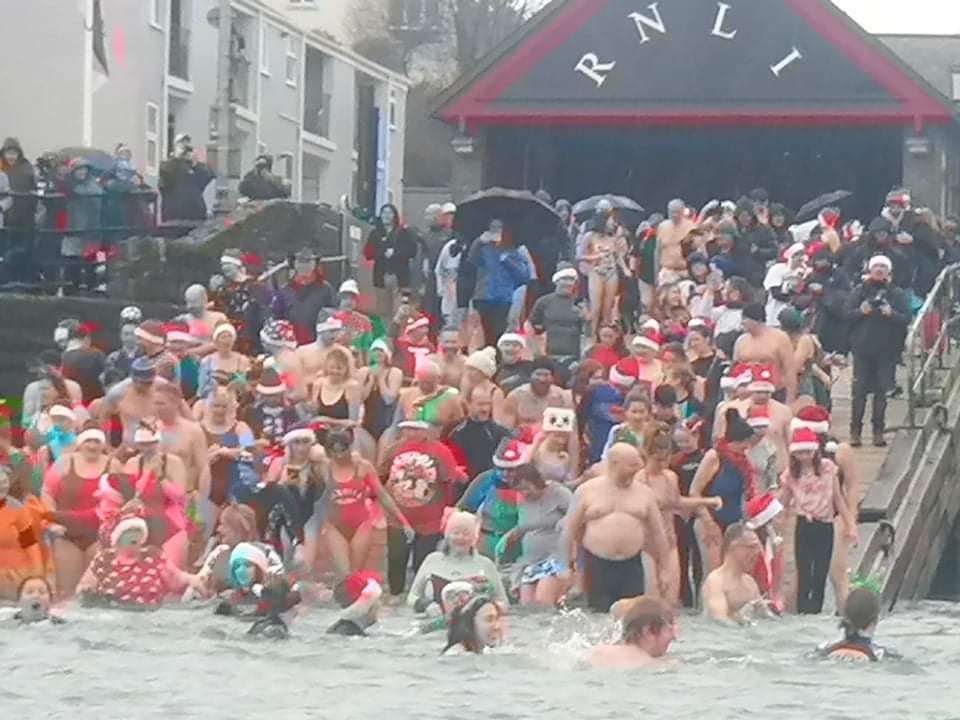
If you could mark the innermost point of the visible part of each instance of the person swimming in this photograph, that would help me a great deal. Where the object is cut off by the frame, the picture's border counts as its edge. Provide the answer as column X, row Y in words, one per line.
column 861, row 615
column 34, row 598
column 476, row 626
column 649, row 628
column 359, row 596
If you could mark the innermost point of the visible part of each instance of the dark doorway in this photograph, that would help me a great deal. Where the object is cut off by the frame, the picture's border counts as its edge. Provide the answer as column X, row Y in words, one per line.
column 366, row 143
column 655, row 164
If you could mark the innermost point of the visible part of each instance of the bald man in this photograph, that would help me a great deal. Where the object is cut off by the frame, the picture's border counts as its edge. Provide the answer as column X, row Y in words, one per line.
column 616, row 519
column 202, row 319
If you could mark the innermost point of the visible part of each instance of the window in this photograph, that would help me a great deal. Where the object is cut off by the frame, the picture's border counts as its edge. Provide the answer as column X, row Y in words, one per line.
column 264, row 50
column 286, row 166
column 393, row 109
column 156, row 19
column 261, row 148
column 956, row 84
column 293, row 60
column 153, row 138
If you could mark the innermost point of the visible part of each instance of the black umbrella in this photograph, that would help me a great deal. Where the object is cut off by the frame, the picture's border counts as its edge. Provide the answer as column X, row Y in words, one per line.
column 526, row 216
column 100, row 161
column 809, row 210
column 629, row 212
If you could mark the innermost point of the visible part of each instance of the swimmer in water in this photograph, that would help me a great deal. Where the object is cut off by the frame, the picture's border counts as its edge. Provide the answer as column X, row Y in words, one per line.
column 649, row 627
column 476, row 626
column 730, row 594
column 359, row 596
column 34, row 598
column 861, row 614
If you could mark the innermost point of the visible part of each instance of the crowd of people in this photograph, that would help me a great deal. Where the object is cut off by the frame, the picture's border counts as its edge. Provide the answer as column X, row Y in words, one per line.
column 87, row 202
column 630, row 418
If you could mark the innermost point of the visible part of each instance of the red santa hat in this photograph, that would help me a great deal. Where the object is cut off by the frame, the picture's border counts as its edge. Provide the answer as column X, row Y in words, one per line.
column 648, row 339
column 511, row 454
column 829, row 217
column 129, row 522
column 421, row 321
column 812, row 417
column 762, row 379
column 804, row 439
column 762, row 509
column 270, row 383
column 178, row 332
column 742, row 375
column 151, row 331
column 758, row 416
column 357, row 582
column 623, row 374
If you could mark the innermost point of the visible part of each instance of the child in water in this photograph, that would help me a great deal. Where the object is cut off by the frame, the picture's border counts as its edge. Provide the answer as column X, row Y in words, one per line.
column 861, row 615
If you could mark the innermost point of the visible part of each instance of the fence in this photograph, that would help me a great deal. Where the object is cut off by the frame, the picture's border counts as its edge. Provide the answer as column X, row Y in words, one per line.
column 928, row 342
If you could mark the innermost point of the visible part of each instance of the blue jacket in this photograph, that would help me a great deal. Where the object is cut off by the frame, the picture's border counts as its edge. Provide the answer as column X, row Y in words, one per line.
column 498, row 271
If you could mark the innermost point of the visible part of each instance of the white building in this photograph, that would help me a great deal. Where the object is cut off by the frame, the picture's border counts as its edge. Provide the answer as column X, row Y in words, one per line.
column 331, row 118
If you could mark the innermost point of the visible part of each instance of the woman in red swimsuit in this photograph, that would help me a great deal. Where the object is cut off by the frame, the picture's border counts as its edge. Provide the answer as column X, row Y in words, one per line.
column 69, row 490
column 156, row 487
column 353, row 514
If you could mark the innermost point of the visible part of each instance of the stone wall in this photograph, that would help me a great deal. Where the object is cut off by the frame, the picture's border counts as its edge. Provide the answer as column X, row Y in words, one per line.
column 158, row 270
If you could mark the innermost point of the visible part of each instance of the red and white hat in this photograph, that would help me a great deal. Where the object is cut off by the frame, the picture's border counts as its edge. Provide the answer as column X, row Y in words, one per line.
column 270, row 383
column 762, row 509
column 623, row 374
column 151, row 331
column 130, row 522
column 178, row 332
column 648, row 339
column 416, row 323
column 812, row 417
column 762, row 379
column 804, row 439
column 758, row 416
column 513, row 454
column 742, row 375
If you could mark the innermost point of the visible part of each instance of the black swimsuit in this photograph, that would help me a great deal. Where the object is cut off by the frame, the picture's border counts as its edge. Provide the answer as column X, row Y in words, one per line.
column 339, row 410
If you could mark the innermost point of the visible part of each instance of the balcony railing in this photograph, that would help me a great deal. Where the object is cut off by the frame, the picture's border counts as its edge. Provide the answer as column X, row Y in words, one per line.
column 316, row 117
column 179, row 65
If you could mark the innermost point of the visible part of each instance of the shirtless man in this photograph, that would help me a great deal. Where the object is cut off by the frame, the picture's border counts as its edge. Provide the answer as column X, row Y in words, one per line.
column 525, row 405
column 614, row 520
column 202, row 319
column 649, row 627
column 771, row 347
column 184, row 438
column 761, row 389
column 730, row 594
column 449, row 358
column 670, row 235
column 132, row 399
column 313, row 356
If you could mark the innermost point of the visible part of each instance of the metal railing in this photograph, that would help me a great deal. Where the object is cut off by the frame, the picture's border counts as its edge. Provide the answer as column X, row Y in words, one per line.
column 929, row 340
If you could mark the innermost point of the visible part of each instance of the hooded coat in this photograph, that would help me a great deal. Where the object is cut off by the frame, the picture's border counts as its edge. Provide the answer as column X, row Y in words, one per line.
column 22, row 179
column 830, row 324
column 855, row 259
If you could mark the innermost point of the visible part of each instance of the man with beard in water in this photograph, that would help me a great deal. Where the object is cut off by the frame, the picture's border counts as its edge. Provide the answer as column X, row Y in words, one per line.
column 730, row 594
column 649, row 627
column 614, row 520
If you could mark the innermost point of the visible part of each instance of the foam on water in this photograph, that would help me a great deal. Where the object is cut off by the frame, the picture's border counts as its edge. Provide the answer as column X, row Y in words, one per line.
column 191, row 664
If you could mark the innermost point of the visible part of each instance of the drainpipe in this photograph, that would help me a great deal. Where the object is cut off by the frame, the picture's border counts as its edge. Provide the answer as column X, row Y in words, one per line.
column 87, row 112
column 221, row 204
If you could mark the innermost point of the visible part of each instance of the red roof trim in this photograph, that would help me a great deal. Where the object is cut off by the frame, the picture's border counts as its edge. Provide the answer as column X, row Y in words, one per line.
column 475, row 103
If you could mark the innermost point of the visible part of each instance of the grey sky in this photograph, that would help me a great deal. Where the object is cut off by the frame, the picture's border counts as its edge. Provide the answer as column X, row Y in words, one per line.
column 897, row 16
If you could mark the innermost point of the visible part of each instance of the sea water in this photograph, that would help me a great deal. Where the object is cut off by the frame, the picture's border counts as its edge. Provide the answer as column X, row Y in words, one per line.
column 187, row 663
